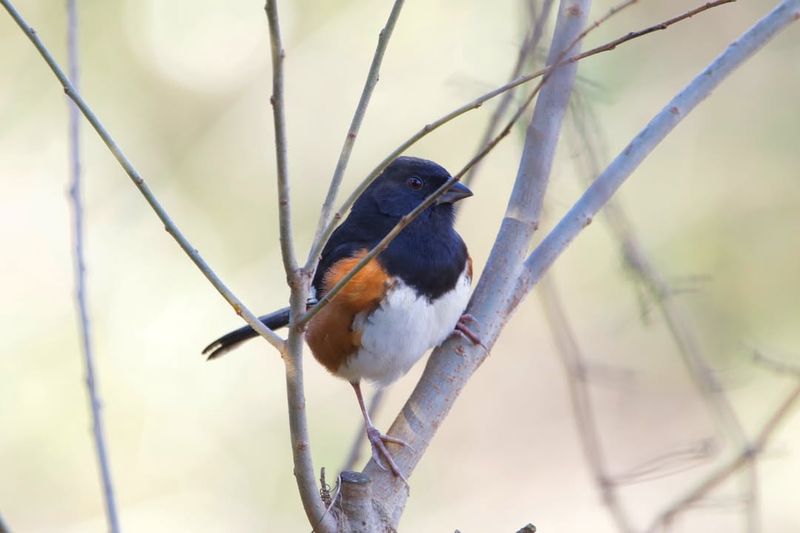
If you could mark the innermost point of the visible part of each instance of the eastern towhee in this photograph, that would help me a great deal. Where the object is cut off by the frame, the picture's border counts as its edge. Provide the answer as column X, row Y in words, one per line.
column 407, row 300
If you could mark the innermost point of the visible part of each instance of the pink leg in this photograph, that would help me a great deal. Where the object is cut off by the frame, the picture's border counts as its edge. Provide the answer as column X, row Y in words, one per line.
column 377, row 439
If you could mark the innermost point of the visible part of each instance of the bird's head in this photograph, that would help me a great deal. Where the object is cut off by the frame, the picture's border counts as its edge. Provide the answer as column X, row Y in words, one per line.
column 405, row 184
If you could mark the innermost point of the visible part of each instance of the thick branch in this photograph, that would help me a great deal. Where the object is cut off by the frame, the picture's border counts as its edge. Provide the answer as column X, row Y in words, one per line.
column 137, row 179
column 76, row 203
column 352, row 133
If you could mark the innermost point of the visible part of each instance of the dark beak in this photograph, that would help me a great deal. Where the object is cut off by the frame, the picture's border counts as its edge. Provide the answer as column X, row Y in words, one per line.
column 457, row 192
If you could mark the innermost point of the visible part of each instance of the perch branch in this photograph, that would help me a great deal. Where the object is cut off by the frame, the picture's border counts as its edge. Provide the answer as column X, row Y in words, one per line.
column 271, row 337
column 352, row 133
column 451, row 365
column 76, row 204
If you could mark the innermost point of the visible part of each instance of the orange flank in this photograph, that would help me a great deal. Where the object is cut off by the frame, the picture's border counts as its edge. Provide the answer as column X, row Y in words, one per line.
column 330, row 333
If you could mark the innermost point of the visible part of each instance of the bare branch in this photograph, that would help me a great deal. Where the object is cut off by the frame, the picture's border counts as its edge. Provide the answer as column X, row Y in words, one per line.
column 299, row 280
column 601, row 190
column 352, row 133
column 731, row 466
column 654, row 28
column 76, row 204
column 279, row 122
column 271, row 337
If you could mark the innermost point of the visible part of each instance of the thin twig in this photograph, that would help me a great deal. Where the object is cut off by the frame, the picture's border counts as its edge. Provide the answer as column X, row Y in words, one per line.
column 76, row 203
column 526, row 52
column 279, row 122
column 654, row 28
column 478, row 102
column 731, row 466
column 352, row 133
column 583, row 410
column 273, row 338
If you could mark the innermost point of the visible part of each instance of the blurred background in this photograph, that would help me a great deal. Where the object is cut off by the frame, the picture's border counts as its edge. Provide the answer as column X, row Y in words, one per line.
column 196, row 446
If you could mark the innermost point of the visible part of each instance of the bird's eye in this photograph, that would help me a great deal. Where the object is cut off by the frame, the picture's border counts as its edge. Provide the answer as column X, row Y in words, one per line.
column 415, row 183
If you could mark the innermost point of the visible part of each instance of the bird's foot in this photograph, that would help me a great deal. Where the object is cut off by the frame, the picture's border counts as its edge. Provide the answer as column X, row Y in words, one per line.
column 462, row 328
column 380, row 453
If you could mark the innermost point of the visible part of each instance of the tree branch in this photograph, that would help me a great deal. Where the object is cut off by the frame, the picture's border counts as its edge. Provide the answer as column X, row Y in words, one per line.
column 299, row 282
column 271, row 337
column 350, row 138
column 76, row 204
column 279, row 122
column 601, row 190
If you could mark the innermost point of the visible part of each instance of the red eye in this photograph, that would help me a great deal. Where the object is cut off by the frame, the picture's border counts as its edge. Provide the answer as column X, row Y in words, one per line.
column 415, row 183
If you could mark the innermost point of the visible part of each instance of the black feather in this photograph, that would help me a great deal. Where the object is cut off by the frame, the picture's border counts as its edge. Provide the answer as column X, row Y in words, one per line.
column 227, row 342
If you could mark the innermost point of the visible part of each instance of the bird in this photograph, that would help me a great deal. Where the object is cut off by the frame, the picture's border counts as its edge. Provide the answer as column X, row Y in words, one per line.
column 405, row 301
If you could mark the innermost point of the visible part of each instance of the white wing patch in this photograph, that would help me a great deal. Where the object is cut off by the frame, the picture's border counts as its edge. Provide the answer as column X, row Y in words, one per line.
column 399, row 332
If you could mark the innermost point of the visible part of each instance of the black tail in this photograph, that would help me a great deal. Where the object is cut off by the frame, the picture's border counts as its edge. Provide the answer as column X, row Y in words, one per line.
column 224, row 344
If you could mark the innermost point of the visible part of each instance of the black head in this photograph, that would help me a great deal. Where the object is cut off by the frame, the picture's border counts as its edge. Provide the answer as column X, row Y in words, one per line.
column 405, row 184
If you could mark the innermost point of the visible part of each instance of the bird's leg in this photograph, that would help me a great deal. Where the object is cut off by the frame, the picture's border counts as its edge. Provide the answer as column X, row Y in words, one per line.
column 464, row 330
column 377, row 439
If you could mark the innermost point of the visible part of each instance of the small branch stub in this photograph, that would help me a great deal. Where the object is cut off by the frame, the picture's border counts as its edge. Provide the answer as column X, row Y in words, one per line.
column 357, row 511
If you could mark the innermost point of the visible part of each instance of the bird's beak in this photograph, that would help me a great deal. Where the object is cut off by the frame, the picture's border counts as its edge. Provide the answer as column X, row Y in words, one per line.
column 457, row 192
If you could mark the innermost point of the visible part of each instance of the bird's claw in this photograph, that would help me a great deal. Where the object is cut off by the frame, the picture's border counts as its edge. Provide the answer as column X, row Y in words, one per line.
column 464, row 330
column 380, row 452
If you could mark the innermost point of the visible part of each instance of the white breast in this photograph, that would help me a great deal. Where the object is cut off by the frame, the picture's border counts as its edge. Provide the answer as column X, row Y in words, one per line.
column 398, row 333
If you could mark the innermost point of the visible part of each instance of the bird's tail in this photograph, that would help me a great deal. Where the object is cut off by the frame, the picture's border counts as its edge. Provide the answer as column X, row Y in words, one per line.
column 229, row 341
